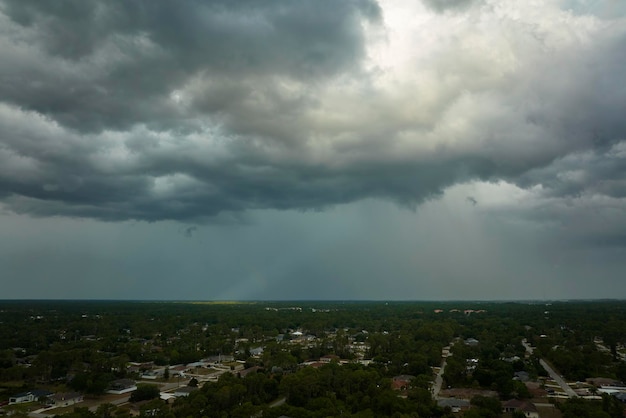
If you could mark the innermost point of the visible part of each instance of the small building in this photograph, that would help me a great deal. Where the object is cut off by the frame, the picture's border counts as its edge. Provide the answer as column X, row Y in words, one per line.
column 153, row 374
column 164, row 396
column 522, row 376
column 256, row 352
column 314, row 364
column 121, row 386
column 179, row 370
column 66, row 399
column 29, row 396
column 472, row 342
column 184, row 391
column 401, row 382
column 456, row 405
column 527, row 408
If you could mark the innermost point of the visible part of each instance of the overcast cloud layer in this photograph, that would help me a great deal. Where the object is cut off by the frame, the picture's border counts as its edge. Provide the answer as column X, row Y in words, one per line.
column 205, row 114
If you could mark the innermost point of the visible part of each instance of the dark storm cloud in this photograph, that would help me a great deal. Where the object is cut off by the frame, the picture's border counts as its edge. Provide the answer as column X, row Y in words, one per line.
column 63, row 174
column 598, row 172
column 158, row 110
column 110, row 65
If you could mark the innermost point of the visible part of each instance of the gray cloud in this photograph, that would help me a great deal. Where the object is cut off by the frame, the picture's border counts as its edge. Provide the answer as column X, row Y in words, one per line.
column 600, row 172
column 94, row 66
column 154, row 111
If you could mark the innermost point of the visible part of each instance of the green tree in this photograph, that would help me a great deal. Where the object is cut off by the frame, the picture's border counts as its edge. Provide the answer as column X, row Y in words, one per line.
column 105, row 410
column 155, row 408
column 144, row 392
column 486, row 406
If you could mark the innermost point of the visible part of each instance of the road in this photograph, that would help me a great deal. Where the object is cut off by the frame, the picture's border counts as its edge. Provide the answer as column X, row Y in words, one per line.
column 527, row 346
column 278, row 402
column 554, row 375
column 558, row 379
column 439, row 380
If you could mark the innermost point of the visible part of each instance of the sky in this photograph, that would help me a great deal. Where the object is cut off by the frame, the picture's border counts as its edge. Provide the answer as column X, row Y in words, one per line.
column 313, row 149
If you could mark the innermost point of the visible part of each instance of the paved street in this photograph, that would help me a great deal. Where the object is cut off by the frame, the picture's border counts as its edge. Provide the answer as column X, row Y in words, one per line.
column 553, row 374
column 439, row 380
column 558, row 379
column 527, row 346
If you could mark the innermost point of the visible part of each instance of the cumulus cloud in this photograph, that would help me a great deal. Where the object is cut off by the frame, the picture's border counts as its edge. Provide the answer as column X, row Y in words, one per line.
column 151, row 111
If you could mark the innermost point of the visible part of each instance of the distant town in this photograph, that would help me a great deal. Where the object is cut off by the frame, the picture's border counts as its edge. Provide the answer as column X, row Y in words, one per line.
column 312, row 359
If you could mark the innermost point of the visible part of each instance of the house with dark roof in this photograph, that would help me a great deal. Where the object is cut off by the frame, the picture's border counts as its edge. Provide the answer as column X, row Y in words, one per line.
column 120, row 386
column 456, row 405
column 29, row 396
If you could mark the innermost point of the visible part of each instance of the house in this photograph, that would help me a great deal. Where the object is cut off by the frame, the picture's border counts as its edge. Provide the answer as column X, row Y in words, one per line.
column 611, row 389
column 153, row 374
column 527, row 408
column 164, row 396
column 472, row 342
column 456, row 405
column 65, row 399
column 256, row 352
column 118, row 387
column 29, row 396
column 179, row 370
column 401, row 382
column 184, row 391
column 522, row 376
column 314, row 364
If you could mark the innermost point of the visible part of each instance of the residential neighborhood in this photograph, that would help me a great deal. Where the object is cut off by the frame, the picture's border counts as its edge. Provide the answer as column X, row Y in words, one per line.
column 449, row 358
